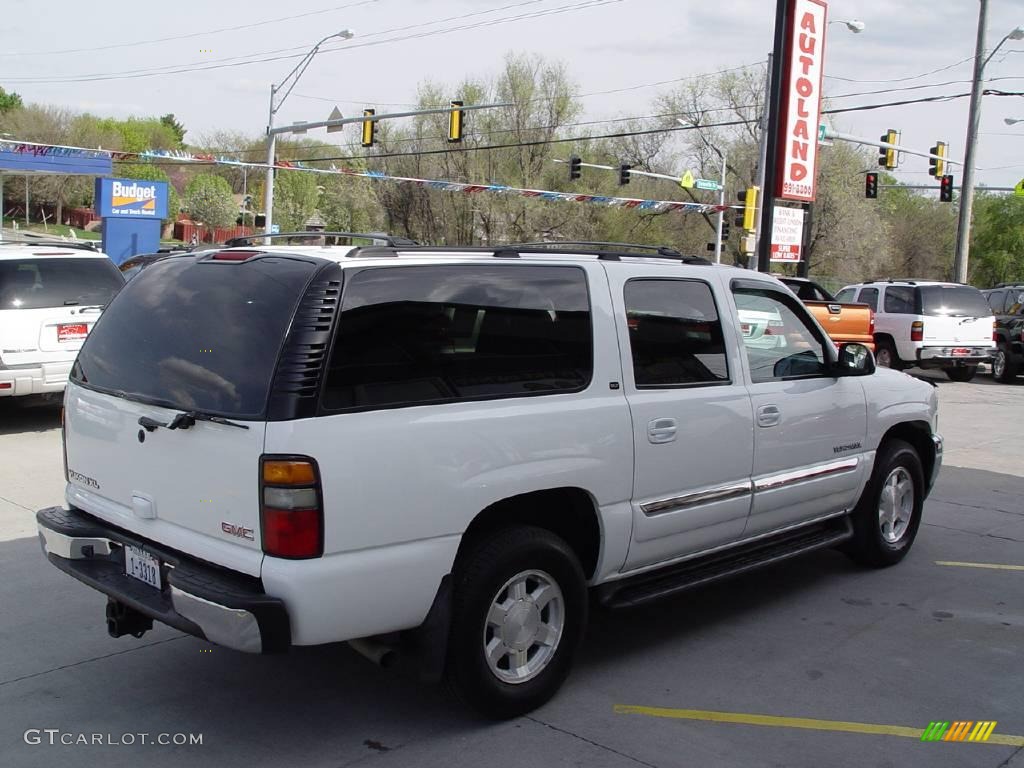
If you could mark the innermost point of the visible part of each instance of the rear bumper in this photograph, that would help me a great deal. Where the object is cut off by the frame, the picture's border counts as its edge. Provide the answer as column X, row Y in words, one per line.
column 34, row 379
column 225, row 608
column 943, row 357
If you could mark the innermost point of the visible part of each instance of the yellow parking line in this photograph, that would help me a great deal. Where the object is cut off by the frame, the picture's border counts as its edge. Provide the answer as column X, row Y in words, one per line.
column 798, row 722
column 982, row 565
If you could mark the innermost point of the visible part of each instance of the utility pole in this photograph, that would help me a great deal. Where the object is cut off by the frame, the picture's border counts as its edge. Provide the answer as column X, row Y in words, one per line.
column 762, row 162
column 268, row 192
column 963, row 230
column 721, row 216
column 773, row 104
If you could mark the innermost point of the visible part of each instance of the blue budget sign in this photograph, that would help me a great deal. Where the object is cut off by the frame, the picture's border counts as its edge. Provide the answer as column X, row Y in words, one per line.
column 131, row 198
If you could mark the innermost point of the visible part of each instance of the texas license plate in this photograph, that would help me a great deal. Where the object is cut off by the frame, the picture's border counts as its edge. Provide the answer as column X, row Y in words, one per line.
column 142, row 566
column 72, row 331
column 961, row 351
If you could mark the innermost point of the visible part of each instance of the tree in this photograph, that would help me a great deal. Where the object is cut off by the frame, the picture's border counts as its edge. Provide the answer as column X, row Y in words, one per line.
column 9, row 101
column 208, row 200
column 997, row 240
column 178, row 129
column 295, row 198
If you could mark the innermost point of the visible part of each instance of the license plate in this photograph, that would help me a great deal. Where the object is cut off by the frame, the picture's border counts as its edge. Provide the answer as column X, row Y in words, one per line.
column 961, row 352
column 72, row 331
column 142, row 566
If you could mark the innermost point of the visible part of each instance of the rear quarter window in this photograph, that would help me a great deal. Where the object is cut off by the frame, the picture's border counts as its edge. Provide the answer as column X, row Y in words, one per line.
column 416, row 335
column 44, row 282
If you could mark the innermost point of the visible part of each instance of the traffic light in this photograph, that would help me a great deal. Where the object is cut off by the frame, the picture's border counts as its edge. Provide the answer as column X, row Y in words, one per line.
column 887, row 155
column 937, row 165
column 455, row 123
column 749, row 199
column 725, row 230
column 368, row 127
column 946, row 189
column 624, row 174
column 574, row 168
column 870, row 185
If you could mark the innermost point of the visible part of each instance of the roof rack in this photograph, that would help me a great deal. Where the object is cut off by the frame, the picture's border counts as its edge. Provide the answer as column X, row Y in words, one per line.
column 378, row 236
column 78, row 245
column 602, row 250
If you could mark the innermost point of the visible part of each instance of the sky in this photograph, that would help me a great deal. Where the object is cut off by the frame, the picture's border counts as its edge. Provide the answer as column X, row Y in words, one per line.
column 606, row 45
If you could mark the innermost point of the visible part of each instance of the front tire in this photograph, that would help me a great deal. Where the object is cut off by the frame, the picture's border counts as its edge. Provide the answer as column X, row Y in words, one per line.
column 519, row 610
column 962, row 372
column 886, row 519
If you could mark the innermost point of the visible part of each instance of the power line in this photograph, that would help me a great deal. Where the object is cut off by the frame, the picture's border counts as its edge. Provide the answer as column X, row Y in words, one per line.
column 232, row 62
column 918, row 87
column 206, row 33
column 901, row 79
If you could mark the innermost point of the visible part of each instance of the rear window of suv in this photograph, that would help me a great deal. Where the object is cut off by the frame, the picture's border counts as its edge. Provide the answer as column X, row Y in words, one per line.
column 953, row 301
column 196, row 335
column 434, row 334
column 43, row 283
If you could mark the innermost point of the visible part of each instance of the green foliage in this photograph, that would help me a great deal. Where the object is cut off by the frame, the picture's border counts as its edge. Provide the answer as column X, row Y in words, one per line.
column 9, row 101
column 208, row 200
column 177, row 128
column 997, row 241
column 295, row 198
column 149, row 172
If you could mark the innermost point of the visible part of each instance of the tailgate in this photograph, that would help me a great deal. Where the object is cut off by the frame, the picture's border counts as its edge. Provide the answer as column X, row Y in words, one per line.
column 195, row 490
column 843, row 322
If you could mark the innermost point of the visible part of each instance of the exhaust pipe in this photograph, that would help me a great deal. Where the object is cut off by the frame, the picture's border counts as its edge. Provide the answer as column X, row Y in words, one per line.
column 382, row 655
column 122, row 620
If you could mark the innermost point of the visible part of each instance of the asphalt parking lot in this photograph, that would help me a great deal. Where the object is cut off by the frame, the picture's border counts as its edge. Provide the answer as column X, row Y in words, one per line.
column 814, row 662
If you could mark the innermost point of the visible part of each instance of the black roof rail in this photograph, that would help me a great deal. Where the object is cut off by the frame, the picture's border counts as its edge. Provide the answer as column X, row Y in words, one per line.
column 393, row 241
column 78, row 245
column 615, row 251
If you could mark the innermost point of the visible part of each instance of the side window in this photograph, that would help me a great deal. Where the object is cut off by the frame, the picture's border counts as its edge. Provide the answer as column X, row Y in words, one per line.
column 869, row 296
column 899, row 300
column 1014, row 301
column 845, row 296
column 675, row 334
column 778, row 338
column 414, row 335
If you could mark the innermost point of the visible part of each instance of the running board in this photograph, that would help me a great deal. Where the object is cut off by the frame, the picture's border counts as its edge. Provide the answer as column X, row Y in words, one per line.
column 635, row 590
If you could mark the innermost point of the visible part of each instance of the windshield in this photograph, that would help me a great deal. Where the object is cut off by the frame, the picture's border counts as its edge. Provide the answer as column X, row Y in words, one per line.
column 953, row 301
column 43, row 283
column 196, row 335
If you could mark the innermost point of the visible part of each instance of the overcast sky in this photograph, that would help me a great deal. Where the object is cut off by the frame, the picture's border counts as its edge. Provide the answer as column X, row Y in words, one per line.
column 615, row 44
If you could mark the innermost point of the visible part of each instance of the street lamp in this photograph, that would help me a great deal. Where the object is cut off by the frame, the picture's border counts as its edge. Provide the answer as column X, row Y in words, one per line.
column 963, row 230
column 721, row 191
column 1013, row 120
column 854, row 25
column 293, row 77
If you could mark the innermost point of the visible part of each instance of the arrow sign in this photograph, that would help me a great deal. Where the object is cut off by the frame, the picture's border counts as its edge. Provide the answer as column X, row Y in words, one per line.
column 335, row 115
column 687, row 180
column 1018, row 191
column 714, row 186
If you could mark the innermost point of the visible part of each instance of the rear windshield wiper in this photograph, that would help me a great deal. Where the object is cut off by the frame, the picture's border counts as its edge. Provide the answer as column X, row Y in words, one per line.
column 187, row 419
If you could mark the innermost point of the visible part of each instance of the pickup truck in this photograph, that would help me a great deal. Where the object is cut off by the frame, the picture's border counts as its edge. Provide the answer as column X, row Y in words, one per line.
column 843, row 322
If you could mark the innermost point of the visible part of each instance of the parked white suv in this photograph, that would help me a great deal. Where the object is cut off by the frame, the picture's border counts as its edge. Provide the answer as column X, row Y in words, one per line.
column 442, row 450
column 928, row 324
column 50, row 297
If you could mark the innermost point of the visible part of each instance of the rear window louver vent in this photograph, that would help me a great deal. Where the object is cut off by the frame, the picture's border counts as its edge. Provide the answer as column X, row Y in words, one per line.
column 299, row 371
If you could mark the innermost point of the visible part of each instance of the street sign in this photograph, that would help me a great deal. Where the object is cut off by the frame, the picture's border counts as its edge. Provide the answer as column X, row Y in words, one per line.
column 787, row 234
column 687, row 180
column 335, row 115
column 714, row 186
column 821, row 132
column 275, row 229
column 1018, row 191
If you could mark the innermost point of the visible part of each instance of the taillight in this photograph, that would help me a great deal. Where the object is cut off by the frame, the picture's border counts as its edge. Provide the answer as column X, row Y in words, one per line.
column 291, row 507
column 917, row 331
column 995, row 336
column 234, row 255
column 871, row 321
column 64, row 444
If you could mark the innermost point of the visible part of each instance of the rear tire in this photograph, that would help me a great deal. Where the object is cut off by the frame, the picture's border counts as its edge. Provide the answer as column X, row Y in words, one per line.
column 519, row 611
column 886, row 519
column 1003, row 367
column 885, row 354
column 962, row 372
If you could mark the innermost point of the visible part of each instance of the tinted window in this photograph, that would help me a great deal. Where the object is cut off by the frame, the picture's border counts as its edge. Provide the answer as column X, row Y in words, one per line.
column 674, row 333
column 869, row 296
column 777, row 336
column 1014, row 301
column 410, row 335
column 807, row 291
column 846, row 295
column 57, row 282
column 953, row 301
column 196, row 335
column 899, row 300
column 996, row 301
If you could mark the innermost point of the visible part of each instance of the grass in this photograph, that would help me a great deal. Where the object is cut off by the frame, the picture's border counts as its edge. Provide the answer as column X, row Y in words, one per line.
column 60, row 230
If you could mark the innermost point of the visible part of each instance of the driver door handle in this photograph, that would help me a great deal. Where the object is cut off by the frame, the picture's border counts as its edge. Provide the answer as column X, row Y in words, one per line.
column 768, row 416
column 661, row 430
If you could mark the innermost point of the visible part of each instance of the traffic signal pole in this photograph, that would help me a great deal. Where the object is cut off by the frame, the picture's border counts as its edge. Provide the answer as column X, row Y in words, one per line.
column 771, row 169
column 762, row 161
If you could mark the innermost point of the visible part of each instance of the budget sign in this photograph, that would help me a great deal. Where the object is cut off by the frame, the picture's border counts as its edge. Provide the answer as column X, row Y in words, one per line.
column 131, row 197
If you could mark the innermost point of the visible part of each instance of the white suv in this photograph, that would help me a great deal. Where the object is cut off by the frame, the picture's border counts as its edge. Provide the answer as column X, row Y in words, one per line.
column 50, row 296
column 928, row 324
column 442, row 450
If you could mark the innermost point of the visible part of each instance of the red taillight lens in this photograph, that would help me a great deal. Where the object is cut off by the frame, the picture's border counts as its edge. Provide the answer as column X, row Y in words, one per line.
column 234, row 255
column 917, row 331
column 291, row 507
column 995, row 336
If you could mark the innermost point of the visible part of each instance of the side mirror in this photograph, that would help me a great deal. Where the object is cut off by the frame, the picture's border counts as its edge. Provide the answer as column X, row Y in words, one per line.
column 854, row 360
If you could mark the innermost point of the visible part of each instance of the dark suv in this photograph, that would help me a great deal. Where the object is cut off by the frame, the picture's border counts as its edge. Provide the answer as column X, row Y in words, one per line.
column 1007, row 302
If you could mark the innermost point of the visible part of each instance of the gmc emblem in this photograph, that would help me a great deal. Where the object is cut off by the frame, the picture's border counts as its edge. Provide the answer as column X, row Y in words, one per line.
column 238, row 530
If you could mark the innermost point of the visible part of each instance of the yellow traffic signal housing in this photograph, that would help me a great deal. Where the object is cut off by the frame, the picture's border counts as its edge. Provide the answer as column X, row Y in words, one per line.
column 455, row 122
column 887, row 155
column 937, row 165
column 750, row 208
column 368, row 127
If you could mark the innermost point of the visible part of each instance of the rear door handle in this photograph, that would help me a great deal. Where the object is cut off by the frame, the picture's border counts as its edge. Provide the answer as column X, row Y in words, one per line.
column 661, row 430
column 768, row 416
